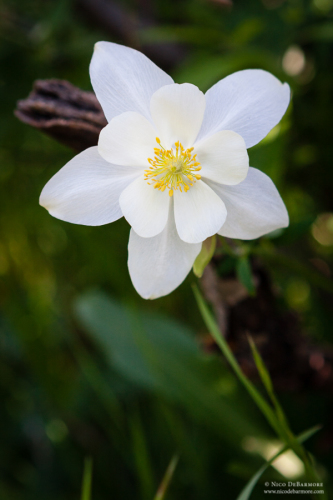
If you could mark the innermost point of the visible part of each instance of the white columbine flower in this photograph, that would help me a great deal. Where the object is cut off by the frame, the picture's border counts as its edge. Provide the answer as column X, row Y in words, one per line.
column 173, row 162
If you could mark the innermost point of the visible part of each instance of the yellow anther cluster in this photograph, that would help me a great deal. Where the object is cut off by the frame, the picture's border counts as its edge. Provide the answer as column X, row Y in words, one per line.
column 172, row 169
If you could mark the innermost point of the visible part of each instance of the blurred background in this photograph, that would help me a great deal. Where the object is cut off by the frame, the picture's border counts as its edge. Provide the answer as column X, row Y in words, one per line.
column 87, row 367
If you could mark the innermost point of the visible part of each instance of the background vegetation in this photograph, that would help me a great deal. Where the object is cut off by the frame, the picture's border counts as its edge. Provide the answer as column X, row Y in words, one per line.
column 88, row 368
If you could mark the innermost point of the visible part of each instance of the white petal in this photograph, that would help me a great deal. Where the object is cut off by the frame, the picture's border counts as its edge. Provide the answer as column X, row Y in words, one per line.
column 223, row 157
column 145, row 208
column 124, row 79
column 129, row 139
column 249, row 102
column 254, row 207
column 87, row 189
column 199, row 213
column 177, row 111
column 159, row 265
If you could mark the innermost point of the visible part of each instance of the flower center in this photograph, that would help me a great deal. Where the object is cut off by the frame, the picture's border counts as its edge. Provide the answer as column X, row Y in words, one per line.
column 172, row 168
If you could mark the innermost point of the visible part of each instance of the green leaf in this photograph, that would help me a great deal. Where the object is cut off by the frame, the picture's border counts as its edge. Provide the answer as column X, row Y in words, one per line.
column 244, row 274
column 246, row 492
column 162, row 356
column 162, row 489
column 87, row 479
column 204, row 257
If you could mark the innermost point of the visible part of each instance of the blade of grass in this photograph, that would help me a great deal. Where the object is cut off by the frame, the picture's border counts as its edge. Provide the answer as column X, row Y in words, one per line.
column 87, row 479
column 247, row 490
column 281, row 428
column 266, row 380
column 162, row 489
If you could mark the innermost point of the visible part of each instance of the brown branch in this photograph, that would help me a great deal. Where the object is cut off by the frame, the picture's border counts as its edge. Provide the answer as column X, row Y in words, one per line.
column 64, row 112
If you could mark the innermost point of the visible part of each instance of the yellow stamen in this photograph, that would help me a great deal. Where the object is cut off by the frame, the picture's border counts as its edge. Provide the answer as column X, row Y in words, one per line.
column 172, row 169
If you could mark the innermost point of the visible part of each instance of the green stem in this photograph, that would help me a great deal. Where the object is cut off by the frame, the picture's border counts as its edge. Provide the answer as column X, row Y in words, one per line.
column 87, row 479
column 160, row 495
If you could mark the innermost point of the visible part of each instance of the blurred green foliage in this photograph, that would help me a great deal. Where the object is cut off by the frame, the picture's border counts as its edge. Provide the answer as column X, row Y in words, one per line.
column 109, row 374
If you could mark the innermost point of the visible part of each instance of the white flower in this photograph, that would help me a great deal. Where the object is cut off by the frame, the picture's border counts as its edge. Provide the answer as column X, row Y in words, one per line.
column 173, row 162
